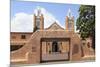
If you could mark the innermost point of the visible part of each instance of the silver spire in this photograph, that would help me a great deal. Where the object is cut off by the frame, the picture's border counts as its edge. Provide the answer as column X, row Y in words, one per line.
column 38, row 11
column 69, row 14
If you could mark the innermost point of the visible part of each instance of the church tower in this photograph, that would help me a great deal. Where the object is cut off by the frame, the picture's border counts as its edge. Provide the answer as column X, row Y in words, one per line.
column 38, row 21
column 69, row 24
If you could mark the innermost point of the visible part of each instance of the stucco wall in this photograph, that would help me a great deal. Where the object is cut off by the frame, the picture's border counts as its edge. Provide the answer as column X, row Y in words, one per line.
column 33, row 51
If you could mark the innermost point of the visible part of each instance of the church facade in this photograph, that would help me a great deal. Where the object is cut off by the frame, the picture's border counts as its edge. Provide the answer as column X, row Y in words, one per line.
column 46, row 44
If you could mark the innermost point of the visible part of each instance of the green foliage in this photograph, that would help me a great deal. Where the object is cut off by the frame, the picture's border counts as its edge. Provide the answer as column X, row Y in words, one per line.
column 86, row 21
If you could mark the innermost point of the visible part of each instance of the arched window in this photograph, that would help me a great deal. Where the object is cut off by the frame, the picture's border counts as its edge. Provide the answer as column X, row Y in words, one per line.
column 55, row 47
column 69, row 25
column 38, row 23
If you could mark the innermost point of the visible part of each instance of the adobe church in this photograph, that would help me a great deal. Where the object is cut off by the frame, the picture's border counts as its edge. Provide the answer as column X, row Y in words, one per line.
column 46, row 44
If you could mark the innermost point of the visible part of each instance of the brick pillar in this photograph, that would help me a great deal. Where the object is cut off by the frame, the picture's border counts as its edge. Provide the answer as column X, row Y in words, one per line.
column 72, row 24
column 41, row 22
column 66, row 23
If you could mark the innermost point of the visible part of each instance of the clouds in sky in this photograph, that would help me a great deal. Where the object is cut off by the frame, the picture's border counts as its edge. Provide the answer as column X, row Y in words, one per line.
column 23, row 22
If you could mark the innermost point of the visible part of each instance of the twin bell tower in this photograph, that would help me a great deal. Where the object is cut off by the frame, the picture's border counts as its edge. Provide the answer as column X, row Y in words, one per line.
column 39, row 21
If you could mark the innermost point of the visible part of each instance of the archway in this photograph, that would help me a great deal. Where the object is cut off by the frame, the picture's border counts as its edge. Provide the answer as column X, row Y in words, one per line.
column 55, row 47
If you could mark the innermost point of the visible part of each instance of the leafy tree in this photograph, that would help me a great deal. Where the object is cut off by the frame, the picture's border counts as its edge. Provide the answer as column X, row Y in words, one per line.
column 86, row 22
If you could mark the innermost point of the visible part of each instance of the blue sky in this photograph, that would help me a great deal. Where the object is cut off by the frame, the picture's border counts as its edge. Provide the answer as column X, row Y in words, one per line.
column 58, row 10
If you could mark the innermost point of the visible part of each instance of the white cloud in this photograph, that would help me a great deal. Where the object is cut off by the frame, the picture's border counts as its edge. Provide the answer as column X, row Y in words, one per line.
column 23, row 22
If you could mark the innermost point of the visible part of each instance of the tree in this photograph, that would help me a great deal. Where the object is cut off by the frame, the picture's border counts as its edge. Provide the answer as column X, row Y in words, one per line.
column 86, row 22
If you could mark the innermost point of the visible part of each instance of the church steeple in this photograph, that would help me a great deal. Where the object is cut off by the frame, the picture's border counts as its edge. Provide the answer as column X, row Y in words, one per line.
column 69, row 24
column 38, row 20
column 69, row 13
column 38, row 11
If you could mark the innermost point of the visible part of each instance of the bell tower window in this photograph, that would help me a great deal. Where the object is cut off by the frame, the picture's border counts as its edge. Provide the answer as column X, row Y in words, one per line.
column 70, row 24
column 38, row 23
column 38, row 20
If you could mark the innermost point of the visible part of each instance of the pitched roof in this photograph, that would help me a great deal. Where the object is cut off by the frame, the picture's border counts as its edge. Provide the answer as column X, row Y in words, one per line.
column 55, row 26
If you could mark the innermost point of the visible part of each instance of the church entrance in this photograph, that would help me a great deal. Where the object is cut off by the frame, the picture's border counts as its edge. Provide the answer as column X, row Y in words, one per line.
column 54, row 49
column 55, row 46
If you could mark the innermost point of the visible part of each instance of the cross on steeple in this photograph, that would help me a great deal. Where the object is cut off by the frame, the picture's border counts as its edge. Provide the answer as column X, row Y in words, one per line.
column 38, row 11
column 69, row 13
